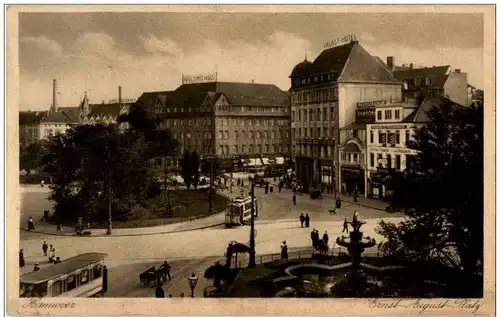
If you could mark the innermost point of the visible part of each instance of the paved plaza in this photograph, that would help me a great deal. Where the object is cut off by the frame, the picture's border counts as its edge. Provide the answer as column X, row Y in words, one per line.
column 190, row 246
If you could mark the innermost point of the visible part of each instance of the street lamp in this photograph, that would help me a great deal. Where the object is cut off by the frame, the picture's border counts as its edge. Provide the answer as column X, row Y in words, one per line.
column 110, row 225
column 192, row 280
column 251, row 262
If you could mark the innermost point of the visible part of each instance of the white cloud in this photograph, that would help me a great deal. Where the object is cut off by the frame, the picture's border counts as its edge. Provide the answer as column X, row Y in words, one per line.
column 95, row 64
column 43, row 44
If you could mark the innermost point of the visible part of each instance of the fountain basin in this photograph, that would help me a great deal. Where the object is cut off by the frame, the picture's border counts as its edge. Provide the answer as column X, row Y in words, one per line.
column 362, row 242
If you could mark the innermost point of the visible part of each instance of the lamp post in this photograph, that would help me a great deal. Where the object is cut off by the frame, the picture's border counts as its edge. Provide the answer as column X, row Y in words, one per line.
column 192, row 280
column 210, row 188
column 251, row 262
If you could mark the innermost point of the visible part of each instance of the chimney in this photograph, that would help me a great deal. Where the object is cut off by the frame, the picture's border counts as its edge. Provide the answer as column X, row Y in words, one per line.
column 411, row 65
column 54, row 95
column 391, row 63
column 120, row 95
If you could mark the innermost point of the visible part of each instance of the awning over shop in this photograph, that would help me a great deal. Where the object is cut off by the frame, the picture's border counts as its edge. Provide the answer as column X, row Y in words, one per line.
column 265, row 161
column 253, row 163
column 280, row 160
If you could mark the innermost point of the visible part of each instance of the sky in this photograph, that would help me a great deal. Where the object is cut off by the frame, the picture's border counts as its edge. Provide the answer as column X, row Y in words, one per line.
column 97, row 52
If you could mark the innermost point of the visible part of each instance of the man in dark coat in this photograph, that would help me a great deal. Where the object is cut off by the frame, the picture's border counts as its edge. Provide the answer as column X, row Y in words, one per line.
column 160, row 293
column 302, row 219
column 21, row 258
column 325, row 238
column 284, row 250
column 294, row 199
column 165, row 269
column 346, row 228
column 45, row 247
column 306, row 220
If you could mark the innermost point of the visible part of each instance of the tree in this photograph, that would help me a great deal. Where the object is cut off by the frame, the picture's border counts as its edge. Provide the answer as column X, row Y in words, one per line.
column 218, row 273
column 443, row 196
column 195, row 165
column 30, row 156
column 187, row 169
column 92, row 165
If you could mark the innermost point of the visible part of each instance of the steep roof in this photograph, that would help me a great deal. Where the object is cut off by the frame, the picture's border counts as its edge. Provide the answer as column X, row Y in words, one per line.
column 30, row 117
column 243, row 94
column 58, row 117
column 438, row 74
column 362, row 67
column 348, row 63
column 72, row 112
column 420, row 115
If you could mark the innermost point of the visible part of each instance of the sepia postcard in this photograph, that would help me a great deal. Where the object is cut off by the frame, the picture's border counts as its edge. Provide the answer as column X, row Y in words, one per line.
column 250, row 160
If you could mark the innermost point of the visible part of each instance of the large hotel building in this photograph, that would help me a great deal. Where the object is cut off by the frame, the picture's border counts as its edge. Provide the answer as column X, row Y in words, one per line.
column 325, row 94
column 248, row 123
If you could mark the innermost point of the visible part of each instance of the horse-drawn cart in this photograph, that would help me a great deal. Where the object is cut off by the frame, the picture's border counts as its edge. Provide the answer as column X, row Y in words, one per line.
column 152, row 275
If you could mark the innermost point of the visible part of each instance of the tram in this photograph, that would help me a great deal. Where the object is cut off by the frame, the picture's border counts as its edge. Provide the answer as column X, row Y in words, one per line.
column 240, row 210
column 79, row 276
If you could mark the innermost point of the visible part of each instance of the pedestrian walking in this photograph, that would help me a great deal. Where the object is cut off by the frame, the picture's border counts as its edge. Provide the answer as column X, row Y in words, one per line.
column 345, row 228
column 302, row 218
column 45, row 247
column 21, row 258
column 355, row 195
column 338, row 203
column 36, row 267
column 294, row 199
column 31, row 225
column 159, row 293
column 306, row 220
column 325, row 238
column 284, row 250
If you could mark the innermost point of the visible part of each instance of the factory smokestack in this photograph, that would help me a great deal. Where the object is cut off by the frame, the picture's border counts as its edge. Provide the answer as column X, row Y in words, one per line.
column 54, row 95
column 119, row 95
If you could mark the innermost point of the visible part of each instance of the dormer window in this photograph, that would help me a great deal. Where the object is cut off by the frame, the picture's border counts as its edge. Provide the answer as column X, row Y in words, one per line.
column 397, row 114
column 379, row 115
column 428, row 81
column 388, row 114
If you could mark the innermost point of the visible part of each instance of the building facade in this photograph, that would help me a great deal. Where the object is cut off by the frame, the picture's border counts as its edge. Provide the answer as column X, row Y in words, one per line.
column 325, row 94
column 238, row 121
column 432, row 81
column 387, row 141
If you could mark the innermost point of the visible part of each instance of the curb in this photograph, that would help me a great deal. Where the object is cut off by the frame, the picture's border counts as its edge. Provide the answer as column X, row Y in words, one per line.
column 123, row 235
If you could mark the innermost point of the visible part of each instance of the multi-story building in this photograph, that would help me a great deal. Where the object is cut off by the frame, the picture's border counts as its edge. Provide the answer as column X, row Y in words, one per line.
column 325, row 94
column 246, row 121
column 432, row 81
column 387, row 141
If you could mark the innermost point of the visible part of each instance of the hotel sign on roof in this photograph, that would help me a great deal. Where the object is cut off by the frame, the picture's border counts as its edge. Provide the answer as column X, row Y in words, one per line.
column 340, row 41
column 203, row 78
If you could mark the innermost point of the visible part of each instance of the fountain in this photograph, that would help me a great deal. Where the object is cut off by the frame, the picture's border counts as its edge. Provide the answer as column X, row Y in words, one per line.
column 356, row 243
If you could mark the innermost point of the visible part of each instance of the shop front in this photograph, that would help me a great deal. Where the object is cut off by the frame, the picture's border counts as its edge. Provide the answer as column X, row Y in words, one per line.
column 305, row 171
column 353, row 178
column 379, row 185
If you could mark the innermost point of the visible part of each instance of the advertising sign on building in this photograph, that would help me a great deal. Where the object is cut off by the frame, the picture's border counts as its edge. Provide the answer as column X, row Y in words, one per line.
column 371, row 104
column 203, row 78
column 365, row 115
column 340, row 41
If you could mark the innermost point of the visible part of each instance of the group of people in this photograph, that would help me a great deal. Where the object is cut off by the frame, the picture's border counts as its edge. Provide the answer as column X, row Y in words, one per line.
column 319, row 244
column 304, row 220
column 47, row 250
column 164, row 272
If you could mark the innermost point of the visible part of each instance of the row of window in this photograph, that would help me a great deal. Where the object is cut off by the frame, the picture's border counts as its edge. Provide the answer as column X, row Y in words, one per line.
column 224, row 108
column 389, row 138
column 258, row 134
column 324, row 132
column 324, row 151
column 224, row 122
column 417, row 82
column 253, row 148
column 351, row 158
column 387, row 162
column 316, row 96
column 387, row 114
column 314, row 115
column 173, row 123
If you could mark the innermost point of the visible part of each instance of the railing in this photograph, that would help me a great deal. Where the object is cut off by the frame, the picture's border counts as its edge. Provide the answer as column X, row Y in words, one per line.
column 242, row 260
